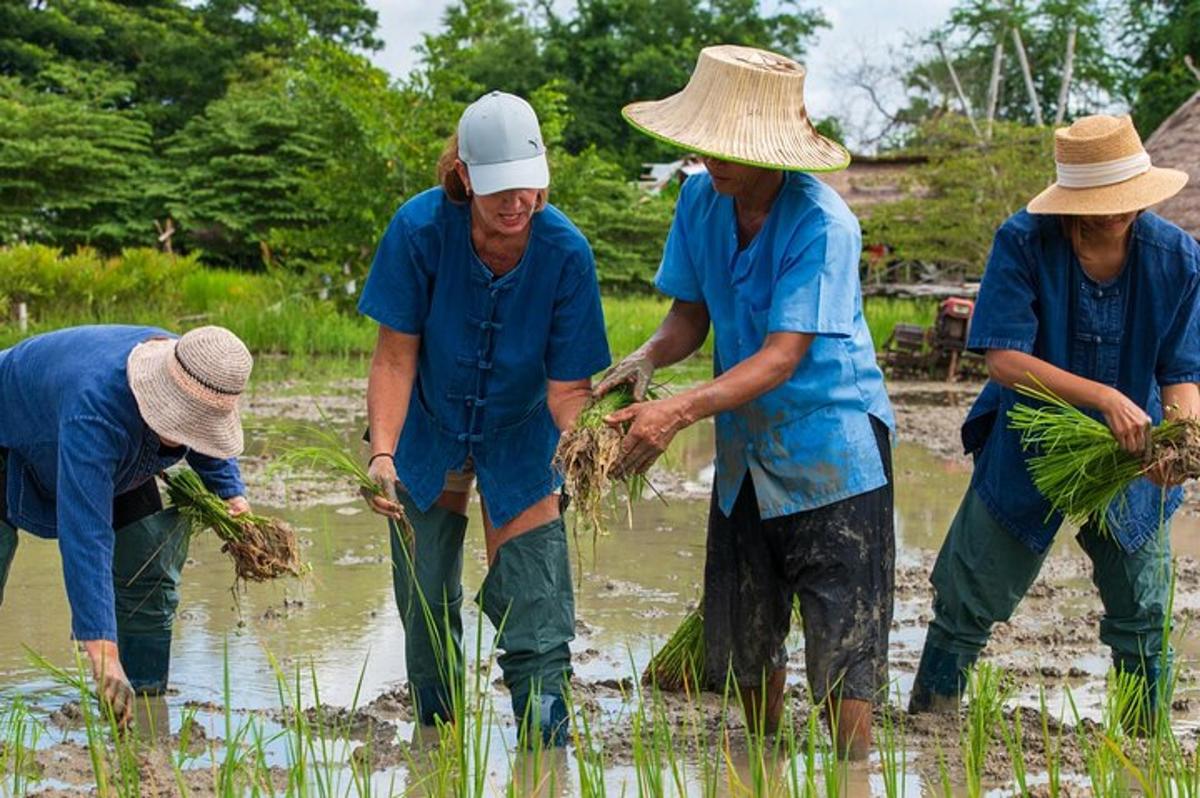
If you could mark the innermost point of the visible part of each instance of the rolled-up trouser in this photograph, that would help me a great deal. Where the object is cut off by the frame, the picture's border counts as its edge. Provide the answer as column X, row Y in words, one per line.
column 982, row 572
column 149, row 550
column 428, row 587
column 529, row 598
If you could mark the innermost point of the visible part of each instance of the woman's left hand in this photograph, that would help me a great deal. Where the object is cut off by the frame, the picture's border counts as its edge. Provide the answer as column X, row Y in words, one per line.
column 237, row 505
column 652, row 426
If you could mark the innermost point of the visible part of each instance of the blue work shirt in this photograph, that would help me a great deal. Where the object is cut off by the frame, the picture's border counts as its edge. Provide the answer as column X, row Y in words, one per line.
column 808, row 442
column 488, row 346
column 1136, row 333
column 76, row 440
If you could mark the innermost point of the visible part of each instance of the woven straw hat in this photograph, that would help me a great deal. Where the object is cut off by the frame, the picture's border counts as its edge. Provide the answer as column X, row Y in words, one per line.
column 1103, row 169
column 742, row 105
column 187, row 389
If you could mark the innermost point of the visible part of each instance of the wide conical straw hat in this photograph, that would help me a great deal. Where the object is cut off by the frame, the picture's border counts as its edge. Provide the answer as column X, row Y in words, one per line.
column 1104, row 170
column 743, row 105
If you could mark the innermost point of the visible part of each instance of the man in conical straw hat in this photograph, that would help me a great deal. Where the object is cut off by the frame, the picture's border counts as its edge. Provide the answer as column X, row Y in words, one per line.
column 90, row 415
column 1098, row 300
column 802, row 498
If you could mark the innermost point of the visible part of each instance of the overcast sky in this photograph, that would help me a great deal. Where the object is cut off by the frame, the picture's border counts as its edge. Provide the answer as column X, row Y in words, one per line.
column 858, row 27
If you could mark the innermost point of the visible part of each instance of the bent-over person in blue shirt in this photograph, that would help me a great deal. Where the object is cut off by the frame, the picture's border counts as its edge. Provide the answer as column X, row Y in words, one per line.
column 90, row 415
column 490, row 328
column 1097, row 299
column 802, row 497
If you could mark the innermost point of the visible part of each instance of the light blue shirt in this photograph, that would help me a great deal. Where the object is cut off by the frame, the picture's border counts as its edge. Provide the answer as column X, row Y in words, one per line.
column 808, row 442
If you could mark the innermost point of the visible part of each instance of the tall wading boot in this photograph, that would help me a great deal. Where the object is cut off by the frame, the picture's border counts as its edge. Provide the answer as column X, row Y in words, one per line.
column 940, row 681
column 8, row 550
column 148, row 559
column 764, row 707
column 428, row 586
column 529, row 598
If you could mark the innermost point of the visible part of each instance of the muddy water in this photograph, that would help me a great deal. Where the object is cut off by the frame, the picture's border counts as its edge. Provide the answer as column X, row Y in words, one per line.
column 340, row 624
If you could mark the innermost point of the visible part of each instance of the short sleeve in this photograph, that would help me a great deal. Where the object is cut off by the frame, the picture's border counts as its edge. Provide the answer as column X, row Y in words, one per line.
column 677, row 276
column 816, row 289
column 578, row 344
column 1005, row 314
column 1179, row 355
column 399, row 285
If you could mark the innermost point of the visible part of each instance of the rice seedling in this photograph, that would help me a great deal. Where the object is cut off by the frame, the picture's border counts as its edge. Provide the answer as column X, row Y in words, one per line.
column 588, row 455
column 893, row 753
column 1052, row 746
column 679, row 664
column 20, row 733
column 1080, row 467
column 262, row 547
column 986, row 694
column 321, row 449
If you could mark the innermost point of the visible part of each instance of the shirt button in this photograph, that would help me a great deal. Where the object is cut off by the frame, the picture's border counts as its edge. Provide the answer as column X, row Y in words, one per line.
column 1097, row 339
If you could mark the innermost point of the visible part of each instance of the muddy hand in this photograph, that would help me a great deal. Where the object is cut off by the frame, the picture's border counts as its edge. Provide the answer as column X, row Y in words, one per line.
column 112, row 686
column 651, row 428
column 382, row 472
column 237, row 505
column 635, row 369
column 1129, row 423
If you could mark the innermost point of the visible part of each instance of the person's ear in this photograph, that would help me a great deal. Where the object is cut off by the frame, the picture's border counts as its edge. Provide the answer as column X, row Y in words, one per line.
column 463, row 175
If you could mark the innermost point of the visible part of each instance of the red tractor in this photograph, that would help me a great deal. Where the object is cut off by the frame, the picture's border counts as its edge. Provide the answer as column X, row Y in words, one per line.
column 916, row 352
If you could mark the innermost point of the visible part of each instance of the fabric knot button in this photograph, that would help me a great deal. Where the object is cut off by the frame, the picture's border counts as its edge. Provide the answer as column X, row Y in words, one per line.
column 483, row 365
column 490, row 325
column 464, row 437
column 476, row 401
column 1097, row 339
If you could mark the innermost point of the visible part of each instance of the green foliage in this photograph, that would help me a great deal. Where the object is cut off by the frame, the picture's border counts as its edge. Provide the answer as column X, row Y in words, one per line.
column 1163, row 32
column 963, row 193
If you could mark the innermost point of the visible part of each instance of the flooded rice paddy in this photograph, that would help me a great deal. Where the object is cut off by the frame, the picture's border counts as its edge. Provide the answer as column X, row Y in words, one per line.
column 336, row 638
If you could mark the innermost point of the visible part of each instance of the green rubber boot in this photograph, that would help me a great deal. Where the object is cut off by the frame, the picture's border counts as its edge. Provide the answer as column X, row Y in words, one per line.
column 528, row 597
column 8, row 550
column 148, row 560
column 429, row 595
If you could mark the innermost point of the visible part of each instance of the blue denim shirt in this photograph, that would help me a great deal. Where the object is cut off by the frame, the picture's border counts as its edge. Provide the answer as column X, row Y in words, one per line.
column 808, row 442
column 488, row 346
column 1137, row 333
column 76, row 440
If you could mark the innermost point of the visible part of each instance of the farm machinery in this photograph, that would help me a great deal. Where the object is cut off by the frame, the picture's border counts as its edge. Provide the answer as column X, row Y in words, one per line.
column 913, row 351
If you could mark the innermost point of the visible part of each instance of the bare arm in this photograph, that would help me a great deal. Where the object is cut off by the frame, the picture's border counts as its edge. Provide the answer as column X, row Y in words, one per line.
column 652, row 425
column 1127, row 421
column 389, row 389
column 566, row 399
column 1181, row 401
column 681, row 333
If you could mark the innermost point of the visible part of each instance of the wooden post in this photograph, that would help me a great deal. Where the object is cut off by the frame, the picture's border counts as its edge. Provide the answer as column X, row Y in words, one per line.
column 1029, row 87
column 962, row 96
column 994, row 84
column 1065, row 87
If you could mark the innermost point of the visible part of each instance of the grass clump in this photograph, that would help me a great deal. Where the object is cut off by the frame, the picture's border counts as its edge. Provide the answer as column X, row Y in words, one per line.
column 1080, row 467
column 679, row 664
column 262, row 548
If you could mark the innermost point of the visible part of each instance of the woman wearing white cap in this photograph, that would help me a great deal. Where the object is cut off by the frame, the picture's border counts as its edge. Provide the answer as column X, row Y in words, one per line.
column 490, row 328
column 90, row 415
column 1096, row 298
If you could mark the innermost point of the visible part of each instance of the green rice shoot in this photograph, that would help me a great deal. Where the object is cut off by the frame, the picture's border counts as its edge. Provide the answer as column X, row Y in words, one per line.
column 1080, row 468
column 679, row 664
column 262, row 548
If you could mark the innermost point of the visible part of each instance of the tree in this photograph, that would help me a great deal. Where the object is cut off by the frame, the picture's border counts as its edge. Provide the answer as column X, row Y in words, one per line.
column 1162, row 33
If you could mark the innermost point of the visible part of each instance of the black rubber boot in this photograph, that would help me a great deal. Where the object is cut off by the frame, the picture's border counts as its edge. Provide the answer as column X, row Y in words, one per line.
column 941, row 678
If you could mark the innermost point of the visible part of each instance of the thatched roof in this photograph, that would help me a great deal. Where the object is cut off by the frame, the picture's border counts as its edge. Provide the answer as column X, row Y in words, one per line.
column 871, row 180
column 1176, row 144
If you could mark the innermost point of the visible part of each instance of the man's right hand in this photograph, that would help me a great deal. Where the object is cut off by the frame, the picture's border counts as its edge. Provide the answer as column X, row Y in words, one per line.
column 382, row 472
column 112, row 685
column 636, row 369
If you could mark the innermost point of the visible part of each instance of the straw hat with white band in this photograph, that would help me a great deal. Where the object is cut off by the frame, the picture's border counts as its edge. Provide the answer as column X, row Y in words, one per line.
column 742, row 105
column 187, row 389
column 1103, row 170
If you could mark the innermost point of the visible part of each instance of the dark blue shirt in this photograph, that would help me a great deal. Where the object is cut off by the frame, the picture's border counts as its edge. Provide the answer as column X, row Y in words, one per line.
column 75, row 440
column 488, row 346
column 1137, row 333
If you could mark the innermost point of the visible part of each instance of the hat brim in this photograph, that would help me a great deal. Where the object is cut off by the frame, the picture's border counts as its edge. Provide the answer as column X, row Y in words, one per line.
column 492, row 178
column 1136, row 194
column 797, row 149
column 175, row 414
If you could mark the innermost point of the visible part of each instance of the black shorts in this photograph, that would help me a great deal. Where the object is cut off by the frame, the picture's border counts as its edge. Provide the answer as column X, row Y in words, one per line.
column 839, row 560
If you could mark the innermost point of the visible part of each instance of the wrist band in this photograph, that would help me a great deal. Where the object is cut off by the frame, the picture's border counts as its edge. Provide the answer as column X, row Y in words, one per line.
column 379, row 454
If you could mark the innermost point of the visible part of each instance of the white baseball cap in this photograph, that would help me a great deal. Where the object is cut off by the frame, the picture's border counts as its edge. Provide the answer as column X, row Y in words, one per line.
column 501, row 143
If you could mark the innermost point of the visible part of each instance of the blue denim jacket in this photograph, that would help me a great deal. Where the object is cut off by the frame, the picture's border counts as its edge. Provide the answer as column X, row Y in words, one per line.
column 1137, row 333
column 808, row 442
column 76, row 440
column 488, row 346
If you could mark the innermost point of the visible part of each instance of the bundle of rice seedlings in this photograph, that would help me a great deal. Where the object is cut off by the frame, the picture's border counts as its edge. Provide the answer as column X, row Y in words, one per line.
column 588, row 455
column 1080, row 467
column 680, row 662
column 262, row 548
column 322, row 450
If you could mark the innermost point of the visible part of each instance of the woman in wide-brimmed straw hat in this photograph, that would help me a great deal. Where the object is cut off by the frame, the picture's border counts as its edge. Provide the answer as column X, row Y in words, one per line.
column 90, row 415
column 802, row 498
column 1097, row 298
